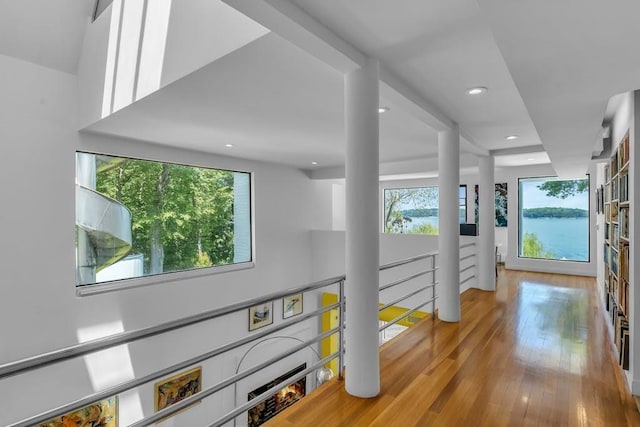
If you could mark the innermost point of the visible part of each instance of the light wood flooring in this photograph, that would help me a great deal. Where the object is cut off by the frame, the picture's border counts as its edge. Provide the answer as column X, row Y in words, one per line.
column 536, row 352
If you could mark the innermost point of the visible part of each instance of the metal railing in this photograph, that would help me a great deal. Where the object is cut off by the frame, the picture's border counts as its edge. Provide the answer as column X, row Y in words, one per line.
column 469, row 267
column 40, row 361
column 432, row 285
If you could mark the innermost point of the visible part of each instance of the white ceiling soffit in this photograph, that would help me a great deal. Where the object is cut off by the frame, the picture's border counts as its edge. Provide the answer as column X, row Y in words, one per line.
column 438, row 48
column 318, row 39
column 45, row 32
column 272, row 102
column 567, row 59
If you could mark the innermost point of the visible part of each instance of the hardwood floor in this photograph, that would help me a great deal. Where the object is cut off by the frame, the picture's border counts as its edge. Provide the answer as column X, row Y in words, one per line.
column 534, row 353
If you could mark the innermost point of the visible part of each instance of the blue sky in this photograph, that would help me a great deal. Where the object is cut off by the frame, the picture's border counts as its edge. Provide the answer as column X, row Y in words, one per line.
column 532, row 197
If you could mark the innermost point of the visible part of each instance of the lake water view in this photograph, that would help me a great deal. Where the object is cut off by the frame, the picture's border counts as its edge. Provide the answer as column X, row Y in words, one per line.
column 565, row 237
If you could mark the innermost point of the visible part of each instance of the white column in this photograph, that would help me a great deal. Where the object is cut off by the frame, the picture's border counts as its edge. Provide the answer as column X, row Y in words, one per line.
column 486, row 247
column 362, row 231
column 449, row 224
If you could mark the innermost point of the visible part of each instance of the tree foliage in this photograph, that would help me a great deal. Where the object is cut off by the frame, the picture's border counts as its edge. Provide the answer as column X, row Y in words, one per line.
column 564, row 188
column 550, row 212
column 425, row 229
column 182, row 216
column 532, row 247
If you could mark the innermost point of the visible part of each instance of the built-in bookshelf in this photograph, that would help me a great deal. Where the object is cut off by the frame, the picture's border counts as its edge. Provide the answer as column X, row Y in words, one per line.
column 616, row 246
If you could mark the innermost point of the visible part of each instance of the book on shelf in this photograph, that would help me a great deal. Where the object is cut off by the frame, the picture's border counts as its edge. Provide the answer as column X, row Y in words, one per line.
column 614, row 263
column 616, row 235
column 623, row 151
column 624, row 352
column 624, row 261
column 623, row 220
column 623, row 187
column 614, row 189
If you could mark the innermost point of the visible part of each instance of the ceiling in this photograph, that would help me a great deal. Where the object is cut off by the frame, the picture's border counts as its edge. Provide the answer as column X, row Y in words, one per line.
column 48, row 33
column 550, row 68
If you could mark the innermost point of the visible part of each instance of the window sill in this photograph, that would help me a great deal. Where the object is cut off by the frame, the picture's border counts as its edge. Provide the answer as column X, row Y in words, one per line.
column 124, row 284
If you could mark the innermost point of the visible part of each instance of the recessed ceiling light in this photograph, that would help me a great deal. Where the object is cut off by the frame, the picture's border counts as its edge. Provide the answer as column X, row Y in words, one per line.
column 531, row 160
column 228, row 145
column 383, row 109
column 477, row 90
column 511, row 137
column 314, row 163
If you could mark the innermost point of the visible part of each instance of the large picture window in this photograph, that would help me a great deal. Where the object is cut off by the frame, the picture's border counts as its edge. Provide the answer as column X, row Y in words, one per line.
column 138, row 218
column 414, row 210
column 554, row 219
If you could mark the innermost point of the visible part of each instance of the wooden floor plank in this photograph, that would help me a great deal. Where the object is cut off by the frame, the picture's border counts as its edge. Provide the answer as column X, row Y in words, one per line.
column 536, row 352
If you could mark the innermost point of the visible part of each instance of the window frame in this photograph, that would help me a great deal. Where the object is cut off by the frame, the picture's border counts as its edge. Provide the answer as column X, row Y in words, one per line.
column 520, row 217
column 178, row 275
column 383, row 206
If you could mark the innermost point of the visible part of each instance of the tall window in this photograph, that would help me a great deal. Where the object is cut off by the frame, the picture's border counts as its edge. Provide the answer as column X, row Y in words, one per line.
column 138, row 218
column 415, row 210
column 554, row 219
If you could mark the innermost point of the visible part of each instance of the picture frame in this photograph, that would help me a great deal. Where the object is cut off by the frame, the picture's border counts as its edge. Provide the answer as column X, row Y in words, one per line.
column 103, row 413
column 292, row 305
column 260, row 315
column 178, row 387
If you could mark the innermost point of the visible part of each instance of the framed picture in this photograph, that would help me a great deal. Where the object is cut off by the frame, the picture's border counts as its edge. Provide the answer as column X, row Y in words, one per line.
column 177, row 388
column 100, row 414
column 291, row 305
column 260, row 315
column 500, row 204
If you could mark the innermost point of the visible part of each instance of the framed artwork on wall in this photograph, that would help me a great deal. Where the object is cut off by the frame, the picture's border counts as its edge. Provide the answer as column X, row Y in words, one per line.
column 176, row 388
column 260, row 315
column 100, row 414
column 291, row 305
column 500, row 204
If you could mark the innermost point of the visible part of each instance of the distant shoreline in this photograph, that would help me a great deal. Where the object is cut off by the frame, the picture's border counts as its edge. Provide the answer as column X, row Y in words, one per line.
column 547, row 212
column 555, row 213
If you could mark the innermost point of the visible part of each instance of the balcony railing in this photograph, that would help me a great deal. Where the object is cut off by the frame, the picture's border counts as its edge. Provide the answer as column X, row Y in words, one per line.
column 421, row 281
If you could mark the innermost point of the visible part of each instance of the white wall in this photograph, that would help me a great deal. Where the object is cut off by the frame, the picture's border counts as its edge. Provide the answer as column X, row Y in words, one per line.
column 201, row 31
column 38, row 305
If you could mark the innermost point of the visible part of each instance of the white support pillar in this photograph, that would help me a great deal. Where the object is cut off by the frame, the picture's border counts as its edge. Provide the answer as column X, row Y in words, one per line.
column 449, row 224
column 362, row 231
column 486, row 247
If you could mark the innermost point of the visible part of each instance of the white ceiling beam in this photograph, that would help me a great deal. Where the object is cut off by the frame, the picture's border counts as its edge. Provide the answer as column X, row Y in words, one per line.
column 298, row 27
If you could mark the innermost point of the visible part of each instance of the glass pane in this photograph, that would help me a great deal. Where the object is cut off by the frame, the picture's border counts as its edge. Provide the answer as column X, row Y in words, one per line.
column 411, row 210
column 554, row 219
column 137, row 218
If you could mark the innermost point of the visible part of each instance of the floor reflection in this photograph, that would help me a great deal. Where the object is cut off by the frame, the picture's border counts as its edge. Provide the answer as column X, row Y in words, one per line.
column 551, row 325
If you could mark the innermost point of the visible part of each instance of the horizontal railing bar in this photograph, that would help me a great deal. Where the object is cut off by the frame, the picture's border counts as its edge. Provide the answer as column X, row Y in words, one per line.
column 262, row 397
column 467, row 268
column 467, row 257
column 120, row 388
column 408, row 313
column 408, row 260
column 467, row 245
column 208, row 392
column 467, row 279
column 81, row 349
column 409, row 295
column 406, row 279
